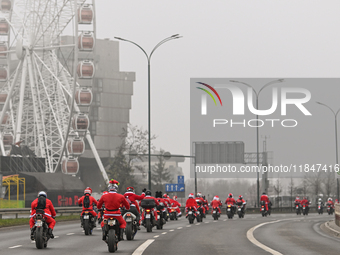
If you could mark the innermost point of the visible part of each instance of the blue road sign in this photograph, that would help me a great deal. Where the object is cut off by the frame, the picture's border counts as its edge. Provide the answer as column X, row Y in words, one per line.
column 174, row 187
column 180, row 179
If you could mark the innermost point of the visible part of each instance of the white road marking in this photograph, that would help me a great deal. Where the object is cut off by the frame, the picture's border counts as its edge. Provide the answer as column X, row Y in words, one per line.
column 180, row 228
column 207, row 222
column 164, row 233
column 171, row 230
column 215, row 221
column 32, row 241
column 198, row 224
column 69, row 234
column 225, row 220
column 17, row 246
column 142, row 247
column 251, row 238
column 155, row 236
column 56, row 236
column 188, row 226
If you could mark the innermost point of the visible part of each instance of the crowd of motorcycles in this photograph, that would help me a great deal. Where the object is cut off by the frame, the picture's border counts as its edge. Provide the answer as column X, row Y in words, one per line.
column 164, row 214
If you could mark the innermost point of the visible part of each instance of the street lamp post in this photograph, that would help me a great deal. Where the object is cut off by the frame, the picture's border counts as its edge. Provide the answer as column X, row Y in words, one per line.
column 336, row 142
column 257, row 94
column 176, row 36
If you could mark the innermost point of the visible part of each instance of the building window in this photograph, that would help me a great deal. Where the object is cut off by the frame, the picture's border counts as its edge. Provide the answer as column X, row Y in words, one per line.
column 100, row 85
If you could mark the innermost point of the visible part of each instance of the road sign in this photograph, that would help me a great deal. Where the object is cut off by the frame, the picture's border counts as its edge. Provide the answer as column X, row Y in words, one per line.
column 174, row 187
column 180, row 179
column 167, row 155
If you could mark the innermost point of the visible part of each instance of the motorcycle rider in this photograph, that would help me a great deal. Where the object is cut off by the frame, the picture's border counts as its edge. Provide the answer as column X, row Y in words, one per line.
column 100, row 212
column 113, row 202
column 205, row 204
column 216, row 203
column 240, row 201
column 191, row 202
column 297, row 201
column 201, row 201
column 131, row 197
column 87, row 202
column 305, row 202
column 265, row 198
column 43, row 203
column 177, row 205
column 330, row 203
column 231, row 201
column 148, row 196
column 162, row 202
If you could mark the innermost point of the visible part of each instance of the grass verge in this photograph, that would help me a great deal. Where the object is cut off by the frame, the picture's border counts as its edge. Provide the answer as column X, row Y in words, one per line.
column 25, row 221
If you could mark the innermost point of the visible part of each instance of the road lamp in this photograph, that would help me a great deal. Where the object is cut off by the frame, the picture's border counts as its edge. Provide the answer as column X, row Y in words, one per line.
column 257, row 94
column 176, row 36
column 336, row 142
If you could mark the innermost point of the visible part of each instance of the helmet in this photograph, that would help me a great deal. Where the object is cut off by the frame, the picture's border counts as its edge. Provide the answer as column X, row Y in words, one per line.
column 130, row 189
column 297, row 197
column 320, row 199
column 88, row 190
column 199, row 194
column 42, row 193
column 215, row 198
column 264, row 193
column 191, row 195
column 113, row 187
column 329, row 199
column 174, row 197
column 240, row 197
column 112, row 181
column 230, row 195
column 165, row 195
column 148, row 193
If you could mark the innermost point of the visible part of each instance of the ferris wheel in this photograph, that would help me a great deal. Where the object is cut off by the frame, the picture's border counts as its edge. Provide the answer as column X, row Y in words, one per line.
column 44, row 105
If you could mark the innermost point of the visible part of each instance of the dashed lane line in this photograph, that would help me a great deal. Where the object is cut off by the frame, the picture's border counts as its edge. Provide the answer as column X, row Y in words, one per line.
column 179, row 227
column 69, row 234
column 142, row 247
column 171, row 230
column 197, row 224
column 16, row 246
column 155, row 236
column 164, row 233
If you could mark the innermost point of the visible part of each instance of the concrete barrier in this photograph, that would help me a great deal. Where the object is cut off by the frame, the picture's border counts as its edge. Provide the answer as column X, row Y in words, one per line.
column 337, row 214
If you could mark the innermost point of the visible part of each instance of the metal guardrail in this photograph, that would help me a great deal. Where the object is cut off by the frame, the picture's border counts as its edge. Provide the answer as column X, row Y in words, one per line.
column 76, row 209
column 27, row 211
column 337, row 214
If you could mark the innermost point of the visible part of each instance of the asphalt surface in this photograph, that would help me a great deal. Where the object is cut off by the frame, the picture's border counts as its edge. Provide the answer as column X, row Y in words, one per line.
column 291, row 234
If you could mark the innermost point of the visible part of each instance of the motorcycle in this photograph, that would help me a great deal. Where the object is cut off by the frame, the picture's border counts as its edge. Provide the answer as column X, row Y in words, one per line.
column 215, row 213
column 330, row 210
column 131, row 225
column 149, row 219
column 161, row 212
column 230, row 211
column 304, row 209
column 41, row 235
column 173, row 213
column 200, row 214
column 88, row 222
column 191, row 215
column 320, row 209
column 112, row 231
column 240, row 211
column 264, row 212
column 298, row 209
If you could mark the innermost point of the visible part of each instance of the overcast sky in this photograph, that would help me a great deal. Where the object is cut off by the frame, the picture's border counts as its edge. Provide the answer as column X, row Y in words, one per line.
column 220, row 39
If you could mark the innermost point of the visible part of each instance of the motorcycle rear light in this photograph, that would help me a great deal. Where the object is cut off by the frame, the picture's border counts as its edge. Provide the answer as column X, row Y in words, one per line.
column 148, row 210
column 128, row 214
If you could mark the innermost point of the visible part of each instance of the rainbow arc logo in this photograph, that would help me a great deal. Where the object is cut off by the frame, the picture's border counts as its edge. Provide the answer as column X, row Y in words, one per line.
column 204, row 98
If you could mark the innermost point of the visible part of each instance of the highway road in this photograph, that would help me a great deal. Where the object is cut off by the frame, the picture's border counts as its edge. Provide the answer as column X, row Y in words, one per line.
column 279, row 234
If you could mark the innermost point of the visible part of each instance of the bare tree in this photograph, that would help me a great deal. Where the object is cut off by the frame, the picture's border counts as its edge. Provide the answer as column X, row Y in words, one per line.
column 329, row 184
column 278, row 189
column 315, row 182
